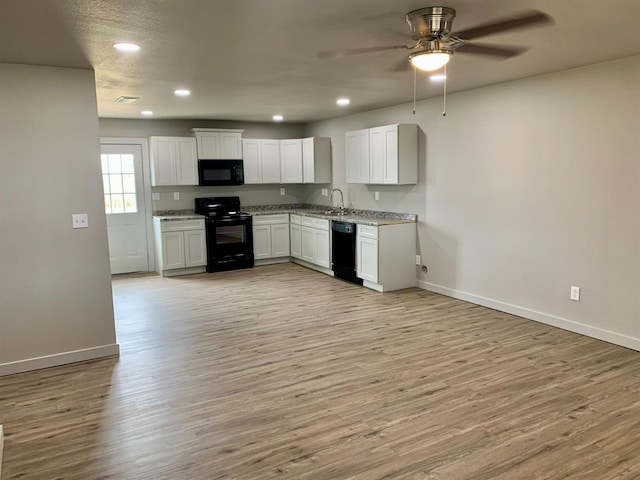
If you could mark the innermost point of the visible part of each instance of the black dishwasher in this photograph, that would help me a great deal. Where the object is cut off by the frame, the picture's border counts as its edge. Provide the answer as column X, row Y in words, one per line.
column 343, row 247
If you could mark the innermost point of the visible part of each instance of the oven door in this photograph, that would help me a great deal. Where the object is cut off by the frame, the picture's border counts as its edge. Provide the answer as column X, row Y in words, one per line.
column 229, row 243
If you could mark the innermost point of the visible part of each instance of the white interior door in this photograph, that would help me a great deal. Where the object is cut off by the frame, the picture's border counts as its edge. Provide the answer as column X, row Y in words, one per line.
column 125, row 208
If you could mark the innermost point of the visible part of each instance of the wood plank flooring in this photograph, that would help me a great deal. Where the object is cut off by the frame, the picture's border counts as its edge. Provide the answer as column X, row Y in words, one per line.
column 283, row 373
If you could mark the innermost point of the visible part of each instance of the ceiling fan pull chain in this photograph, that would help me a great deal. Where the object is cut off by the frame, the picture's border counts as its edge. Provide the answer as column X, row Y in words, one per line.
column 444, row 106
column 415, row 72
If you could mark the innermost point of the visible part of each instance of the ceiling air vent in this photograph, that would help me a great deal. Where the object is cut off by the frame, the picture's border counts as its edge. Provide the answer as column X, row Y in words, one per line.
column 127, row 99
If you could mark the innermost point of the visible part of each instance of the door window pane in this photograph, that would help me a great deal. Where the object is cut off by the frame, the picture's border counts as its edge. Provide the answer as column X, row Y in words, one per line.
column 119, row 183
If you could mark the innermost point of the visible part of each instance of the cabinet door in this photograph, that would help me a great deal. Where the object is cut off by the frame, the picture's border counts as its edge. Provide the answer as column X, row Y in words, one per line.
column 308, row 157
column 390, row 145
column 308, row 244
column 296, row 240
column 270, row 157
column 367, row 259
column 322, row 248
column 280, row 240
column 163, row 161
column 377, row 154
column 261, row 242
column 357, row 152
column 172, row 250
column 230, row 145
column 186, row 161
column 195, row 248
column 251, row 161
column 291, row 161
column 209, row 145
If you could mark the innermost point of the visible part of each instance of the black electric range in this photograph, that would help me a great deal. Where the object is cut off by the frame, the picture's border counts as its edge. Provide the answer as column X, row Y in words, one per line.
column 229, row 233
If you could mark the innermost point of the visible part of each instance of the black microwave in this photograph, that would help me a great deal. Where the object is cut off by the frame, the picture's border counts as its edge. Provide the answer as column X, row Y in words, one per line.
column 220, row 172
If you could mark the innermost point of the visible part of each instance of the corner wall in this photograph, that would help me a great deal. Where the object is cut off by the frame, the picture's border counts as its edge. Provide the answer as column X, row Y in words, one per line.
column 525, row 189
column 55, row 286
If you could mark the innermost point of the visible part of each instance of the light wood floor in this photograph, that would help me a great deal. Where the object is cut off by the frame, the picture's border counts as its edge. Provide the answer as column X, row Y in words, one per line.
column 281, row 372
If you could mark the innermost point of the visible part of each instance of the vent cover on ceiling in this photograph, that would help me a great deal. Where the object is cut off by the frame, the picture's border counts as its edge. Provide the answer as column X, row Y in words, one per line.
column 127, row 99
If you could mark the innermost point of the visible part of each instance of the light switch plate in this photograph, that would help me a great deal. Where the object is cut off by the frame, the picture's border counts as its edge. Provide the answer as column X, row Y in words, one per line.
column 155, row 196
column 80, row 220
column 282, row 191
column 377, row 195
column 176, row 195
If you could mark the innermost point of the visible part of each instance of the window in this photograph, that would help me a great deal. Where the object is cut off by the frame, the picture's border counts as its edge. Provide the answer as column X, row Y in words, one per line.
column 119, row 183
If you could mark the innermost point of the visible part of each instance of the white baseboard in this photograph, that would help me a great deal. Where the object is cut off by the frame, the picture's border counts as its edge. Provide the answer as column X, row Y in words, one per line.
column 1, row 448
column 571, row 325
column 59, row 359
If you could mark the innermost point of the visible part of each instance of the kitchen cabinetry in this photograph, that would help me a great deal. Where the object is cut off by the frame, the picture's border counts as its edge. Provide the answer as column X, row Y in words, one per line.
column 385, row 256
column 218, row 144
column 388, row 155
column 271, row 237
column 316, row 160
column 181, row 246
column 291, row 161
column 261, row 160
column 316, row 241
column 295, row 229
column 173, row 161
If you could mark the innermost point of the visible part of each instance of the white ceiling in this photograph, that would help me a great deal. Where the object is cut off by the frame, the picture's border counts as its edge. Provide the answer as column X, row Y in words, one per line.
column 248, row 59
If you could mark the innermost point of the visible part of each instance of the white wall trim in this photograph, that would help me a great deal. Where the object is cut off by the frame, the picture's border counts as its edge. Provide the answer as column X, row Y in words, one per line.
column 146, row 181
column 59, row 359
column 565, row 324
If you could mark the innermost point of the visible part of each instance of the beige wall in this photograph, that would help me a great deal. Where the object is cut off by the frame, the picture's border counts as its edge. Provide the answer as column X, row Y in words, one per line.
column 249, row 194
column 55, row 285
column 526, row 188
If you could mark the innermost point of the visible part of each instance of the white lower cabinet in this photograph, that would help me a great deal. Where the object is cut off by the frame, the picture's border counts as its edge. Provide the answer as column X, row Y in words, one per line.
column 295, row 230
column 316, row 241
column 270, row 236
column 181, row 246
column 385, row 256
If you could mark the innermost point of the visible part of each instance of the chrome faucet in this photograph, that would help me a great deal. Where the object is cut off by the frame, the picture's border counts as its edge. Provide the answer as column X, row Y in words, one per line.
column 341, row 204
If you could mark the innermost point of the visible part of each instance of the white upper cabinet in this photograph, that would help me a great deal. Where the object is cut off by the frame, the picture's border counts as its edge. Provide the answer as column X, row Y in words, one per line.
column 261, row 161
column 218, row 144
column 291, row 161
column 392, row 155
column 173, row 161
column 316, row 160
column 357, row 144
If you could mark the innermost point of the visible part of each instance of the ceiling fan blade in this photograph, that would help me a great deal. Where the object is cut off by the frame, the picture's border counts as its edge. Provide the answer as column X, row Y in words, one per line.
column 358, row 51
column 490, row 50
column 523, row 20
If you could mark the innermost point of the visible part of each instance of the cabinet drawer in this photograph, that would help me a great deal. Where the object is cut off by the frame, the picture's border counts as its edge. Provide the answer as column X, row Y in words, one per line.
column 295, row 219
column 367, row 231
column 180, row 225
column 270, row 219
column 319, row 223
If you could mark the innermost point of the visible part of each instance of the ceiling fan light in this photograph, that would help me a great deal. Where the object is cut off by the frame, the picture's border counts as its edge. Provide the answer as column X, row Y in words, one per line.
column 430, row 61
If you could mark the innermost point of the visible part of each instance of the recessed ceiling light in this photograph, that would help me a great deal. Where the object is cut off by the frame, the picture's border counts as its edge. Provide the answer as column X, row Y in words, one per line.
column 182, row 92
column 437, row 78
column 278, row 118
column 343, row 102
column 126, row 47
column 146, row 113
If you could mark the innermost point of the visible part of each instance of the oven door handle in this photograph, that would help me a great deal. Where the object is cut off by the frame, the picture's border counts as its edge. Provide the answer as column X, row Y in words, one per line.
column 231, row 221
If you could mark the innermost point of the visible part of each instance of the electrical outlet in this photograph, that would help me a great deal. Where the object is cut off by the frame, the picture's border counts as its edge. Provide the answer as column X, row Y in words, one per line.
column 575, row 294
column 282, row 191
column 176, row 195
column 377, row 195
column 80, row 220
column 155, row 196
column 418, row 261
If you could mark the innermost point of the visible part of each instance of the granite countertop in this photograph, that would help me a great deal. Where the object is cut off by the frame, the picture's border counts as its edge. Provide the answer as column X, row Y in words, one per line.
column 363, row 217
column 171, row 215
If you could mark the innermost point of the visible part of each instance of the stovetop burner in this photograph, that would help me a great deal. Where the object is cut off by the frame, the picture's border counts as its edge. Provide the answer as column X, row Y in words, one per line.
column 218, row 206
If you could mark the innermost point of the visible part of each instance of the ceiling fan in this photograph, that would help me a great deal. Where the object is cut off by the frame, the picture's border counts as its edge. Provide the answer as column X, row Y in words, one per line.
column 435, row 43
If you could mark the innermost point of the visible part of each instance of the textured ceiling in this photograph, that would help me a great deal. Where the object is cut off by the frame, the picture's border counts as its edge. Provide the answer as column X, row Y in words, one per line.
column 248, row 59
